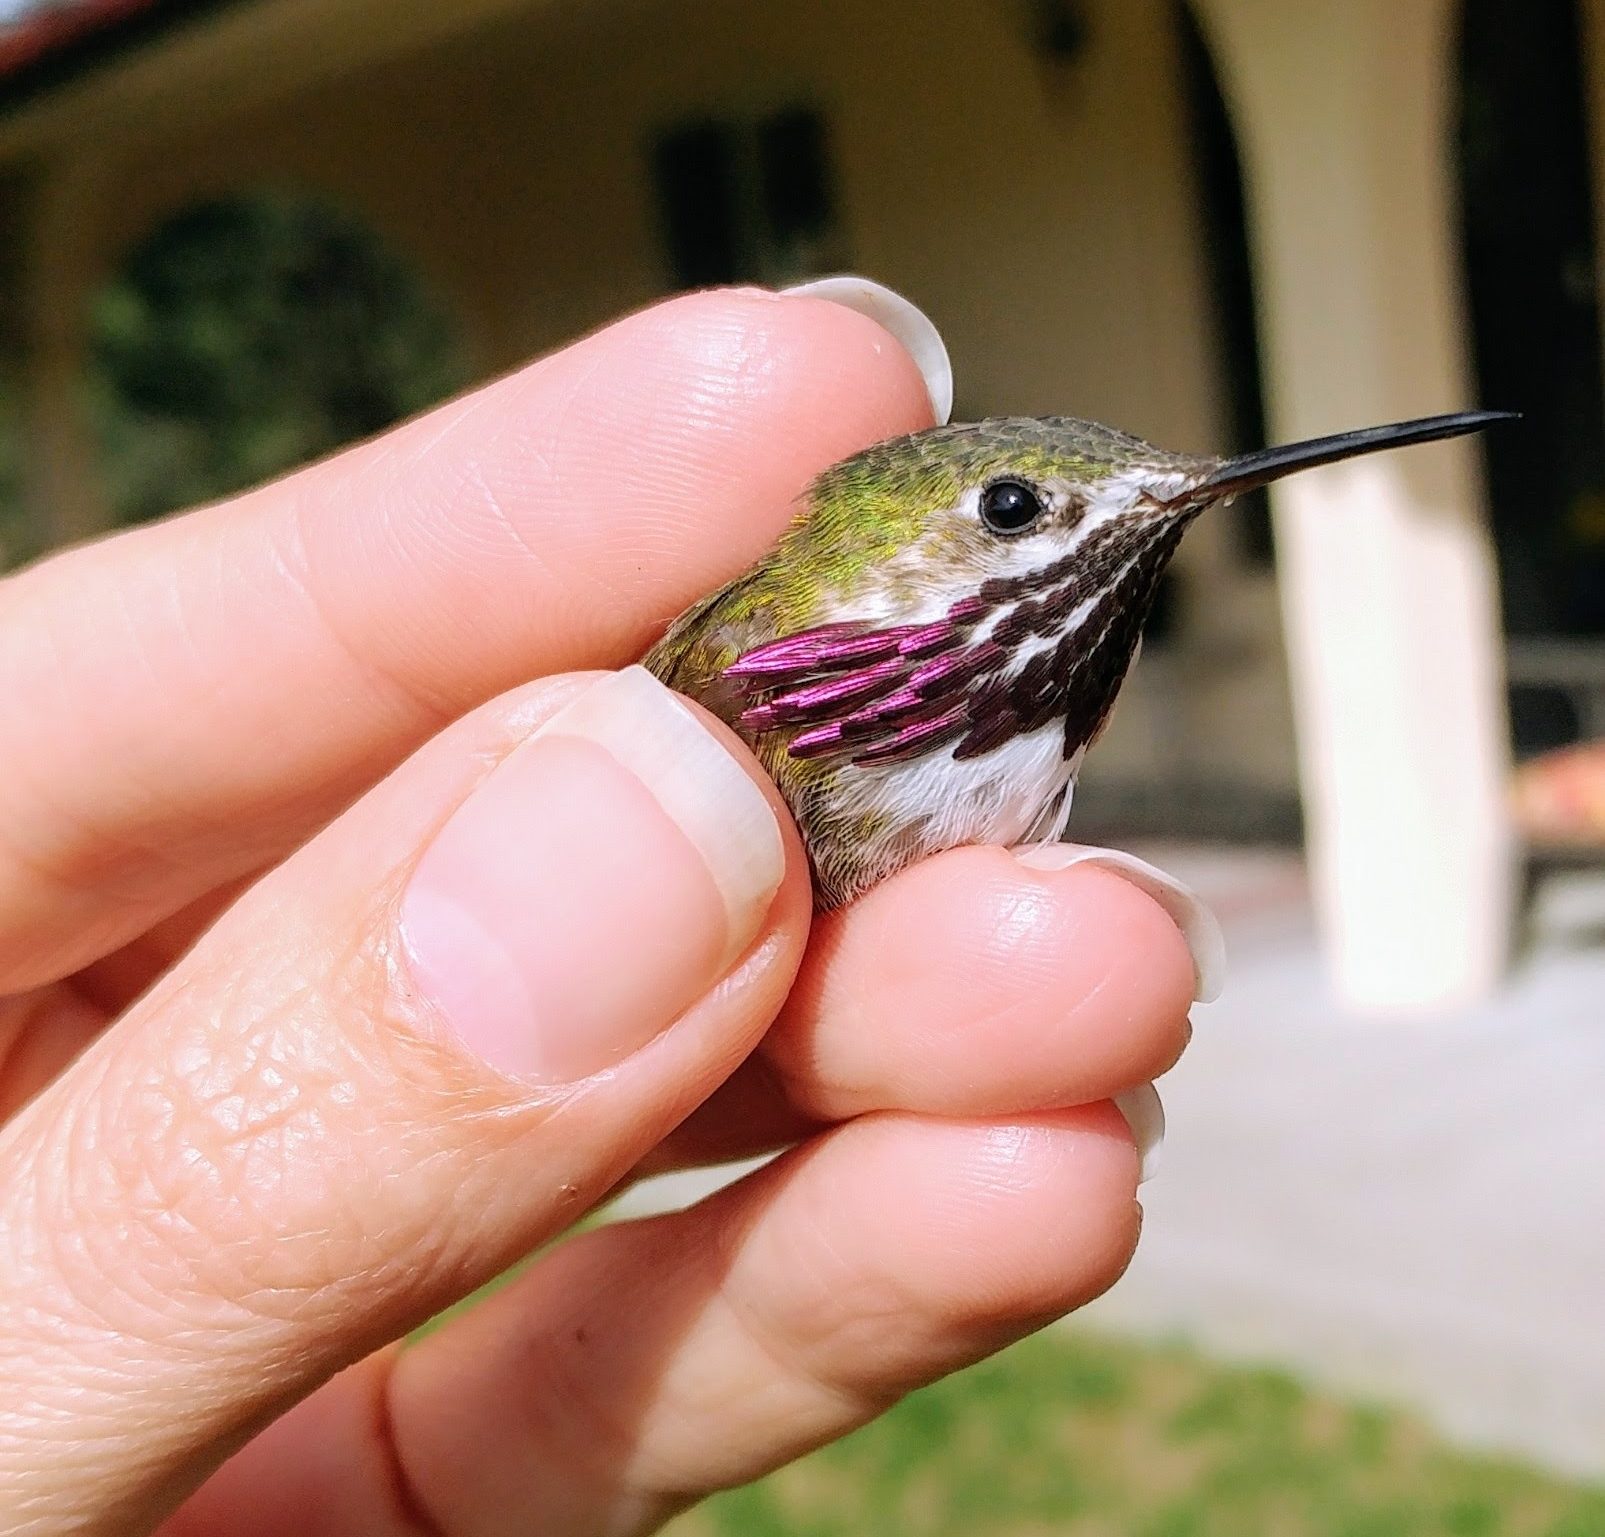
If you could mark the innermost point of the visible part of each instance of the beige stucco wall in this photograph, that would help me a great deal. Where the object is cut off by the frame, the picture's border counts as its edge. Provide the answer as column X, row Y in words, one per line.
column 1046, row 220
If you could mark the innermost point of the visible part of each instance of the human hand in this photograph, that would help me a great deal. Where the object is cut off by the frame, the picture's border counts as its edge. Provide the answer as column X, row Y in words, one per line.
column 345, row 966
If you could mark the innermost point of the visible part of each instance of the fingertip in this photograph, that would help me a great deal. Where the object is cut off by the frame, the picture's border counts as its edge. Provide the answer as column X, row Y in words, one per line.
column 908, row 325
column 1186, row 909
column 1153, row 953
column 989, row 1227
column 834, row 365
column 1144, row 1113
column 974, row 985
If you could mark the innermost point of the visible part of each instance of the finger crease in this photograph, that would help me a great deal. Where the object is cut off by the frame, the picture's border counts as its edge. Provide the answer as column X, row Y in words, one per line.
column 790, row 1361
column 411, row 1510
column 296, row 568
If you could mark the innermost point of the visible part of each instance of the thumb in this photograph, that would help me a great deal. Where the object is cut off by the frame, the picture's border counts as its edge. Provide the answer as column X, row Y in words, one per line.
column 431, row 1039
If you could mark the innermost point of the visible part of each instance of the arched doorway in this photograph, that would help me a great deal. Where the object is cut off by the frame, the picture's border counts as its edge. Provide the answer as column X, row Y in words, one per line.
column 1219, row 174
column 1214, row 658
column 1531, row 261
column 248, row 334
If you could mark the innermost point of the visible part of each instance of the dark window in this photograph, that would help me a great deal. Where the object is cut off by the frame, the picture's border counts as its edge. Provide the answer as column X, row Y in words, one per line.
column 748, row 200
column 794, row 175
column 1530, row 259
column 1527, row 212
column 697, row 174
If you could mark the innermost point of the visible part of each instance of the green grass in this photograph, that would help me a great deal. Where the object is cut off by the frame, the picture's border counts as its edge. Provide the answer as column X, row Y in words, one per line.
column 1080, row 1436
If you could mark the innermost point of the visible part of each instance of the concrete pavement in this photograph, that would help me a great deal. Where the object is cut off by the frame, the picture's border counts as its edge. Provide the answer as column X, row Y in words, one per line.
column 1409, row 1210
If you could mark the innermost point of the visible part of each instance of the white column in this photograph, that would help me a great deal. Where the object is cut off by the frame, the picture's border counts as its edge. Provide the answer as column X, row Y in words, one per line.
column 1387, row 577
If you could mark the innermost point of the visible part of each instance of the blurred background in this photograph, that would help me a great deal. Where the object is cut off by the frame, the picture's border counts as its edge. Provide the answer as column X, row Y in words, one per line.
column 1369, row 723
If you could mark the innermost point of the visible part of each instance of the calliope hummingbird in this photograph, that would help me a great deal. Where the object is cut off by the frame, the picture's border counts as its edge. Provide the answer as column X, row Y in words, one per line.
column 925, row 657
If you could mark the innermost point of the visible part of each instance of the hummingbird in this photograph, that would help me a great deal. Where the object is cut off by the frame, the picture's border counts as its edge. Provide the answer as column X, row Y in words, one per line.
column 926, row 655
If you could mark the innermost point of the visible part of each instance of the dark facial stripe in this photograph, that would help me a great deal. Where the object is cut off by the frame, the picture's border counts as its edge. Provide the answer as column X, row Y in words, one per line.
column 1078, row 679
column 1092, row 564
column 1096, row 678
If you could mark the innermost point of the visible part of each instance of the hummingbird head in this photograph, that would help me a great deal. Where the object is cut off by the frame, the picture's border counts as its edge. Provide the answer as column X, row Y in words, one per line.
column 973, row 583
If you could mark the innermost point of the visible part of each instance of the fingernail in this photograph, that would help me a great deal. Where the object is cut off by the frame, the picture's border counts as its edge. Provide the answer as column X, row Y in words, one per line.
column 604, row 876
column 1146, row 1117
column 1198, row 925
column 904, row 319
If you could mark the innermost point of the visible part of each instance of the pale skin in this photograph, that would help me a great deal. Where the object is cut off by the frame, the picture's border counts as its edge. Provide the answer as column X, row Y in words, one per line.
column 246, row 1154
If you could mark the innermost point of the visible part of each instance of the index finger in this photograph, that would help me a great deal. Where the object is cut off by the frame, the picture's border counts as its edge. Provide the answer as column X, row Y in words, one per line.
column 184, row 703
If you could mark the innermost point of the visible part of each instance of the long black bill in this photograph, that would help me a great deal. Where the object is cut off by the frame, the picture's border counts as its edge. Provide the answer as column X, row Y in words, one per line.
column 1248, row 472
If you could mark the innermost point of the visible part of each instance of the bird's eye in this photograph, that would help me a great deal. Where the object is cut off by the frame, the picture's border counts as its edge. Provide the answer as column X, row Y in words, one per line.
column 1010, row 506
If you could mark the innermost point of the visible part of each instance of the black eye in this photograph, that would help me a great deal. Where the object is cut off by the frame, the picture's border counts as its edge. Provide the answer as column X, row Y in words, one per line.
column 1010, row 506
